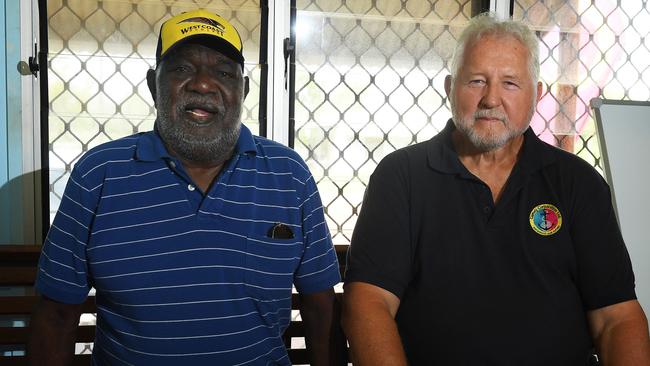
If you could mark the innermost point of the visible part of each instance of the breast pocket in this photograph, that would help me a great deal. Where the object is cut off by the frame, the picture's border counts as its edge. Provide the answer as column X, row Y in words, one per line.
column 270, row 266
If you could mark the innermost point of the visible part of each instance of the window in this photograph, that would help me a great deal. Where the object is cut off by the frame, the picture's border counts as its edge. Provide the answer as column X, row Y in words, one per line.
column 100, row 52
column 369, row 80
column 588, row 49
column 368, row 77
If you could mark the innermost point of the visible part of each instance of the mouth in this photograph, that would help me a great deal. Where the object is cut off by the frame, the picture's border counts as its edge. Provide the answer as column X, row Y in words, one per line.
column 489, row 119
column 202, row 113
column 489, row 116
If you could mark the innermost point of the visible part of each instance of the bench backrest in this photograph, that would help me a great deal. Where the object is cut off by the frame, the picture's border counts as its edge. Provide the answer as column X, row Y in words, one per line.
column 18, row 271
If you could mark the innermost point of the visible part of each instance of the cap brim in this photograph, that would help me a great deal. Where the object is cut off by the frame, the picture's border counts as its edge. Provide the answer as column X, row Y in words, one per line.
column 218, row 44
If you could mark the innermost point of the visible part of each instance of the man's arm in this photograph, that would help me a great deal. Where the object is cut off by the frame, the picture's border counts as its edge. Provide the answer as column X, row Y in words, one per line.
column 369, row 324
column 53, row 329
column 320, row 314
column 620, row 333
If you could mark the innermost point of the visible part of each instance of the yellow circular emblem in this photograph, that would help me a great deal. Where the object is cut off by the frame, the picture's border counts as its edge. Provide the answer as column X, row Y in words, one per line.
column 545, row 219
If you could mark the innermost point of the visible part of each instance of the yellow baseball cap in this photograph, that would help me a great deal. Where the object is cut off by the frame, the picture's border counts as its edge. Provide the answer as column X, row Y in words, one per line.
column 203, row 27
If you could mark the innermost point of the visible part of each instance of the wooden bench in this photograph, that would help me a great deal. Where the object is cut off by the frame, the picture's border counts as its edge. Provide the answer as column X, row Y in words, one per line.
column 18, row 272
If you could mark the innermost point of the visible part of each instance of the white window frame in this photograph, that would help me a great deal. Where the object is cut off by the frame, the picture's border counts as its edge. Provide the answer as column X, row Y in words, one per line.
column 501, row 8
column 277, row 102
column 31, row 125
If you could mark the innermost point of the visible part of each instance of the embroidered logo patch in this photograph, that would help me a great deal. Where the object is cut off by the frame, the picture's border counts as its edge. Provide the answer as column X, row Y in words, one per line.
column 545, row 219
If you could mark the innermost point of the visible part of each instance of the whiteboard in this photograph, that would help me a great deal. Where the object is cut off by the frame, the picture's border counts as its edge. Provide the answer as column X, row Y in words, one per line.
column 624, row 138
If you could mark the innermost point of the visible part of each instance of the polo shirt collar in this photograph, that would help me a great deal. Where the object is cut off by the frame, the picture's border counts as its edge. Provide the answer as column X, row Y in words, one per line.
column 442, row 155
column 150, row 146
column 246, row 142
column 535, row 153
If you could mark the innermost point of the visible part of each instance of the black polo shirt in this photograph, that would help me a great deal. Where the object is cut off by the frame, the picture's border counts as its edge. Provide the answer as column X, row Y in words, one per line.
column 486, row 284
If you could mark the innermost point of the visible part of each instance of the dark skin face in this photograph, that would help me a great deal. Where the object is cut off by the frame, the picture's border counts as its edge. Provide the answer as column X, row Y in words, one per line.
column 199, row 94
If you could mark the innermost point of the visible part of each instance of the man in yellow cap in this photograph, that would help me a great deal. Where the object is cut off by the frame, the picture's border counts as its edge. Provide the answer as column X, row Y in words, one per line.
column 192, row 235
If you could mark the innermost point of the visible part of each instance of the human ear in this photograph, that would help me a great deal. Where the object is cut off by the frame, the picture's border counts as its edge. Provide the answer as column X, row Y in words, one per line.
column 540, row 89
column 246, row 86
column 151, row 83
column 448, row 82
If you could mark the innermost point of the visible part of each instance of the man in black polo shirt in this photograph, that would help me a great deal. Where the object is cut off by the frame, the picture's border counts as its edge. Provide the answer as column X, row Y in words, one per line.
column 486, row 246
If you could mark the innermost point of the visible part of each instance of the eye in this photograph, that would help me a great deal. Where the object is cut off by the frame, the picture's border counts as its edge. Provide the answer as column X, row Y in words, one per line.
column 181, row 68
column 476, row 82
column 225, row 74
column 178, row 68
column 511, row 85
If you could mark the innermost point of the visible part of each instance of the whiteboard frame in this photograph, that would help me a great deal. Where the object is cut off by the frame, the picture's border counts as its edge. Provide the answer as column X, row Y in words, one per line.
column 595, row 104
column 640, row 264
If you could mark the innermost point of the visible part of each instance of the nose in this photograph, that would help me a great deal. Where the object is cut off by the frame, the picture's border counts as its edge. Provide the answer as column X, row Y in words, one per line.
column 202, row 82
column 491, row 96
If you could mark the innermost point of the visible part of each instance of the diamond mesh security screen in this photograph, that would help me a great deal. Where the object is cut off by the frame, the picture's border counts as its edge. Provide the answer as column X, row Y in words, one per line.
column 369, row 80
column 100, row 52
column 589, row 48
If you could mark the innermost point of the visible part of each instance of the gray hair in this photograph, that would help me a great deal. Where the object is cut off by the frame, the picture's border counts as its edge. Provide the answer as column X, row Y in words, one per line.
column 489, row 24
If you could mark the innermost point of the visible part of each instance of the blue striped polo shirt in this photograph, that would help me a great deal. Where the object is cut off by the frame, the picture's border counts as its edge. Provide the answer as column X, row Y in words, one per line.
column 181, row 276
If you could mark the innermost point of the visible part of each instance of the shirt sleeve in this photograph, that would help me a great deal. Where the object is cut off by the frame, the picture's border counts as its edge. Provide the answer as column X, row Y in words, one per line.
column 62, row 271
column 381, row 250
column 604, row 270
column 319, row 268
